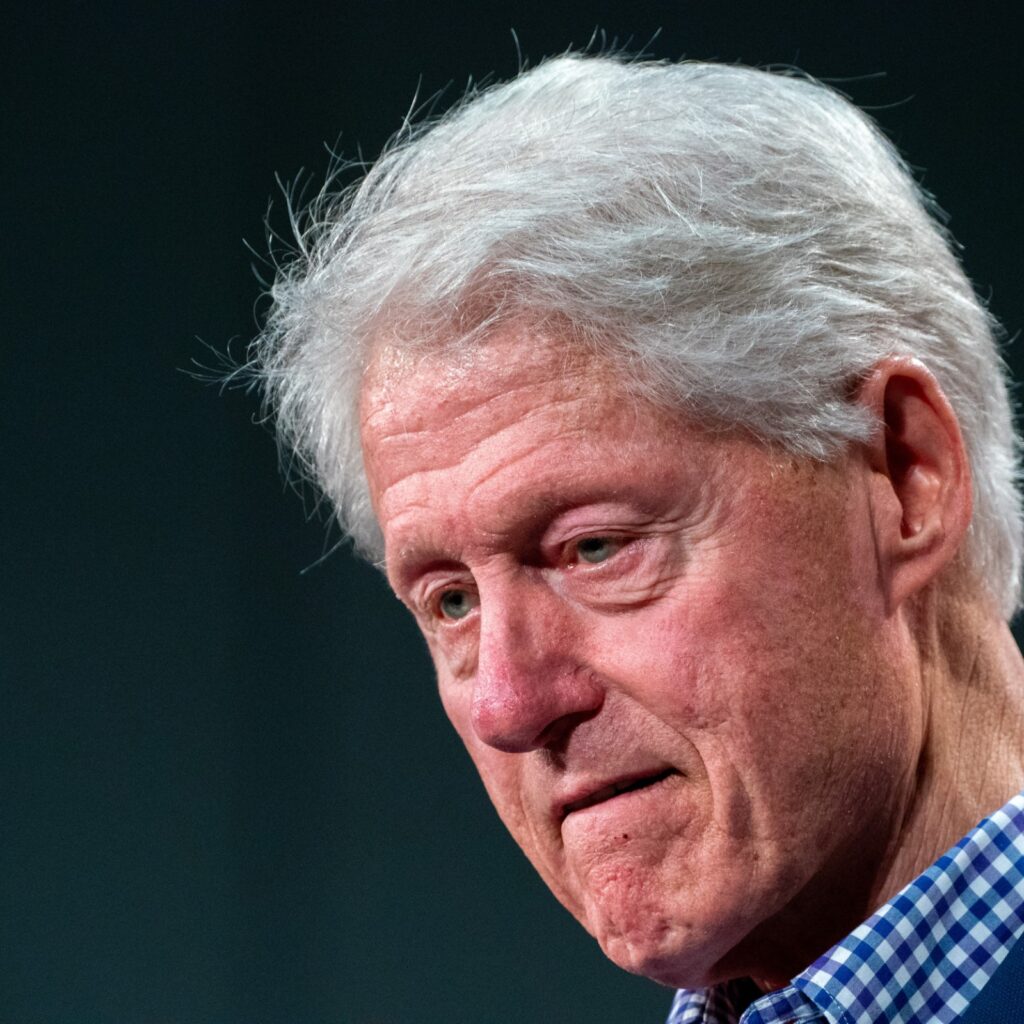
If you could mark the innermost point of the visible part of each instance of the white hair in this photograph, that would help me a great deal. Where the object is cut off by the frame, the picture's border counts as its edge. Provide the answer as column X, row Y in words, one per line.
column 747, row 243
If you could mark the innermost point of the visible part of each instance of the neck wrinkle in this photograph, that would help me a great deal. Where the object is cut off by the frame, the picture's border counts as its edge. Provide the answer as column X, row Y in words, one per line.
column 972, row 755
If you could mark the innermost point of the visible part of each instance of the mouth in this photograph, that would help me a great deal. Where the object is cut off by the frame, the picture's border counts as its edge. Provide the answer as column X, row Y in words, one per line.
column 615, row 789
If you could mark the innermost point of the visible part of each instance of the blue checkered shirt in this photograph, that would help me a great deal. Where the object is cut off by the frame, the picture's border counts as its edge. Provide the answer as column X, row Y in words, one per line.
column 920, row 959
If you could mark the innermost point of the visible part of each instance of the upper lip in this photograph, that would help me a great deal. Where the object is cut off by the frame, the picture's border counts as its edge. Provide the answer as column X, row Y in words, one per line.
column 589, row 793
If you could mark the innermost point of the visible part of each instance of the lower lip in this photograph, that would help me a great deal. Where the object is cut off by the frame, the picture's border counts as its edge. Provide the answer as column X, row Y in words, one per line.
column 624, row 810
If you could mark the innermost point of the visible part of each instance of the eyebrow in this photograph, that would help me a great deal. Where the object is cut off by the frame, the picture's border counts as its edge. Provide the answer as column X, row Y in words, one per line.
column 534, row 516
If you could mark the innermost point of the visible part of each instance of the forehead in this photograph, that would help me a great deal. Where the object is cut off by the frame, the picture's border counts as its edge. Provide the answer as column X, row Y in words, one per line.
column 422, row 411
column 524, row 426
column 402, row 387
column 516, row 384
column 482, row 454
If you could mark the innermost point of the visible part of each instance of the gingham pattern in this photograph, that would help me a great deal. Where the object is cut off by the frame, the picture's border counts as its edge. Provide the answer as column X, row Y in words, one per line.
column 920, row 959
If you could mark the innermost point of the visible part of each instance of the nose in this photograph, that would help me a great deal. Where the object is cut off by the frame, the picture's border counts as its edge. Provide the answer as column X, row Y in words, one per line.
column 531, row 688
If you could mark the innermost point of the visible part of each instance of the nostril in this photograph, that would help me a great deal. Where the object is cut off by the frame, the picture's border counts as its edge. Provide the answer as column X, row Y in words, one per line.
column 555, row 737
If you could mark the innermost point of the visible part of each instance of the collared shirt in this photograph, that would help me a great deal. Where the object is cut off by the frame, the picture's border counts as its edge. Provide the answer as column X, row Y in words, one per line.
column 920, row 959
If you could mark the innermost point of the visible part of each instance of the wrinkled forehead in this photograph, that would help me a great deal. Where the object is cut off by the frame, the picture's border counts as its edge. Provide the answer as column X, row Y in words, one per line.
column 404, row 384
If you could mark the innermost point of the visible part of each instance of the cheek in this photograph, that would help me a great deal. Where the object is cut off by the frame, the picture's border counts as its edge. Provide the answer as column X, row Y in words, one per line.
column 674, row 657
column 772, row 680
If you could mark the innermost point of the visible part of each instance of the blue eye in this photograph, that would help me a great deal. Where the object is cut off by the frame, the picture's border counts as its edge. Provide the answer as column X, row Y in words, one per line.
column 456, row 604
column 595, row 550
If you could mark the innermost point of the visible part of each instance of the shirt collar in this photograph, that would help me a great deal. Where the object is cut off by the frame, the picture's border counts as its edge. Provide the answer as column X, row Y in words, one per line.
column 920, row 958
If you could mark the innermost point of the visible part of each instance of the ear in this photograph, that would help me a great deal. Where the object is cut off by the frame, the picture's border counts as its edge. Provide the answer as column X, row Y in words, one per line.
column 921, row 482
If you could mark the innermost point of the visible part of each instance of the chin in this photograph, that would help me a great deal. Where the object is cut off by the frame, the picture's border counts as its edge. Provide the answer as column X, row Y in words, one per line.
column 669, row 948
column 654, row 947
column 664, row 962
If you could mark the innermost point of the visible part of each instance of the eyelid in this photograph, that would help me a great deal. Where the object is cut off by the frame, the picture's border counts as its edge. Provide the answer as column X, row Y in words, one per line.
column 570, row 548
column 427, row 600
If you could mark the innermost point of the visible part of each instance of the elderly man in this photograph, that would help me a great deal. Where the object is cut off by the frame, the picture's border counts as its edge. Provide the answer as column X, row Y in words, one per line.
column 660, row 397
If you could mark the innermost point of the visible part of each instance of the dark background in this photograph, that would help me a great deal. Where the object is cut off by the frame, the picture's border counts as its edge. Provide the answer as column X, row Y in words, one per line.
column 228, row 791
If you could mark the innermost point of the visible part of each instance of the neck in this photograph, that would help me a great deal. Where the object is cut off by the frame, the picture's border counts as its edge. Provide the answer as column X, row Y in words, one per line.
column 972, row 758
column 969, row 763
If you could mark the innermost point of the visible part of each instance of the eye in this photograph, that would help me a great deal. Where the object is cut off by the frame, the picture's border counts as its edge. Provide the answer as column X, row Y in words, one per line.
column 456, row 604
column 595, row 550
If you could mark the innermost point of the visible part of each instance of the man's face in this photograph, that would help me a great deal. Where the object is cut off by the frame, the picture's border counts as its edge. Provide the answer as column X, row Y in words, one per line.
column 665, row 651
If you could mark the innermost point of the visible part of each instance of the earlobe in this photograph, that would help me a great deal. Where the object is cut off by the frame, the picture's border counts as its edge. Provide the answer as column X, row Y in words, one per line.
column 921, row 482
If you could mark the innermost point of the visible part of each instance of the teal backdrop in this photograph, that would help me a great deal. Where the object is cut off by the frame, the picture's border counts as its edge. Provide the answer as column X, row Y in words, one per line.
column 228, row 790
